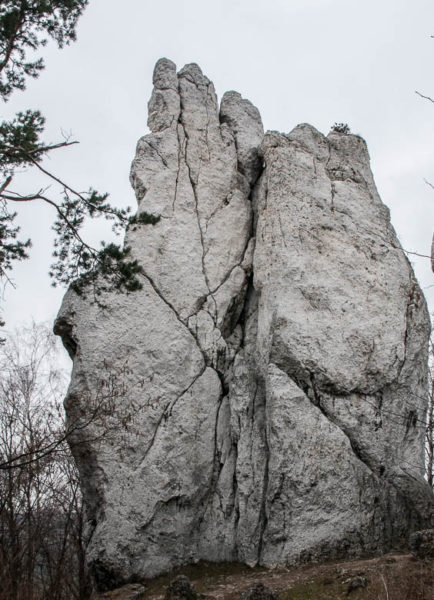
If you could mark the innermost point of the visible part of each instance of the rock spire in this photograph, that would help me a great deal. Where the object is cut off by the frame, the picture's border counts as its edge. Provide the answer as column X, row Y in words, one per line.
column 267, row 384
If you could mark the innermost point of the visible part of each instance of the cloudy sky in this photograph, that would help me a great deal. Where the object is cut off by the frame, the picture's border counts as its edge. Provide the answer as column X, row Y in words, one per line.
column 316, row 61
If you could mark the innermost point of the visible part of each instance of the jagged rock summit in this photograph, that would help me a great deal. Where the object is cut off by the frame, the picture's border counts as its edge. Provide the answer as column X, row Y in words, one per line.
column 267, row 384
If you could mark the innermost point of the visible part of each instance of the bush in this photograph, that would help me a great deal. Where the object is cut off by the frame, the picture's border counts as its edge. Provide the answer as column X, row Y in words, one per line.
column 341, row 128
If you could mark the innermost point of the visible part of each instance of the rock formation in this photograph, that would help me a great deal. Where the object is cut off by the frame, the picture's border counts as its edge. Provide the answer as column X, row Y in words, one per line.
column 267, row 384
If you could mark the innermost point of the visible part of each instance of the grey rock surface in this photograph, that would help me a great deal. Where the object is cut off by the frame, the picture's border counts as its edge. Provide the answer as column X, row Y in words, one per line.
column 259, row 592
column 421, row 543
column 180, row 589
column 262, row 397
column 356, row 583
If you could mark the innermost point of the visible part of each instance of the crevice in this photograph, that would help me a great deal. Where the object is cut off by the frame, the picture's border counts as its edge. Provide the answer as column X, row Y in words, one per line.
column 409, row 308
column 232, row 269
column 172, row 404
column 353, row 443
column 157, row 152
column 308, row 386
column 172, row 308
column 242, row 300
column 227, row 120
column 186, row 75
column 218, row 208
column 64, row 329
column 281, row 229
column 179, row 168
column 252, row 420
column 244, row 315
column 221, row 284
column 263, row 517
column 333, row 192
column 166, row 413
column 160, row 295
column 217, row 466
column 249, row 270
column 192, row 182
column 326, row 166
column 194, row 185
column 329, row 175
column 236, row 499
column 207, row 122
column 242, row 321
column 196, row 199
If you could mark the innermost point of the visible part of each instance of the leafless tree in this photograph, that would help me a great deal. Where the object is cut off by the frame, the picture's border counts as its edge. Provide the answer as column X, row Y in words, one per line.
column 42, row 521
column 42, row 544
column 429, row 442
column 425, row 97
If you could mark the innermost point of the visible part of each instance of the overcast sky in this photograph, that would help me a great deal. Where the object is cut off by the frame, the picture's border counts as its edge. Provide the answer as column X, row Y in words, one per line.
column 316, row 61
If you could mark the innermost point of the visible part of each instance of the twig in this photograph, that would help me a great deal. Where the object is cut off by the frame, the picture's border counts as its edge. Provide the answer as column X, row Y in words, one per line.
column 66, row 186
column 5, row 184
column 39, row 453
column 426, row 97
column 417, row 254
column 39, row 149
column 39, row 196
column 385, row 587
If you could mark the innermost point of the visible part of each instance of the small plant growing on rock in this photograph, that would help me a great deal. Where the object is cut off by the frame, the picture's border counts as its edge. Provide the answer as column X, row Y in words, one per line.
column 144, row 218
column 341, row 128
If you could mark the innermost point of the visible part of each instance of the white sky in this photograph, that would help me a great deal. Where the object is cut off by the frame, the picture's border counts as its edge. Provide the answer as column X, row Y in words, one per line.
column 316, row 61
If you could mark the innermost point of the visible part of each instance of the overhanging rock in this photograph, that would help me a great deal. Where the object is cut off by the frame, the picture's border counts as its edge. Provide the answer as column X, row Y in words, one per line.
column 267, row 384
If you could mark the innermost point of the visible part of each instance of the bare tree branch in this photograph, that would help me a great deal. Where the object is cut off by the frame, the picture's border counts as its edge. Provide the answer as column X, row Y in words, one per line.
column 417, row 254
column 5, row 184
column 40, row 196
column 425, row 97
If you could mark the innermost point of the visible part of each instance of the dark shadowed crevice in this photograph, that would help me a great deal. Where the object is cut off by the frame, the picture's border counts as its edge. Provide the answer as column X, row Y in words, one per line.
column 263, row 516
column 64, row 329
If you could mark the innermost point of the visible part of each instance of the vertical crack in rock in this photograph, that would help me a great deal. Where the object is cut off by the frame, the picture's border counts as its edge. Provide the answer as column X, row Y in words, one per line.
column 263, row 517
column 332, row 185
column 211, row 488
column 277, row 351
column 194, row 183
column 179, row 166
column 193, row 187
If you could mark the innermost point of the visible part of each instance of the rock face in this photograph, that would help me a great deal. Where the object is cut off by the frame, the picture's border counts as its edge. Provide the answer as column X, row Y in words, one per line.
column 259, row 592
column 180, row 589
column 266, row 387
column 421, row 543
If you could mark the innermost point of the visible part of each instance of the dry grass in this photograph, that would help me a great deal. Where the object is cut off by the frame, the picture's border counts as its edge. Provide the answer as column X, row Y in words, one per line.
column 391, row 577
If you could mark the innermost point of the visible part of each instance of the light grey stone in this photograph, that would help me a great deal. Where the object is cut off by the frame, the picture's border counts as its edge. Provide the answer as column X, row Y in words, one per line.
column 267, row 384
column 245, row 123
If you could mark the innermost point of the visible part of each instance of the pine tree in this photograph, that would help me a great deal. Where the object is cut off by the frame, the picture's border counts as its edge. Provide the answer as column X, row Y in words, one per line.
column 26, row 25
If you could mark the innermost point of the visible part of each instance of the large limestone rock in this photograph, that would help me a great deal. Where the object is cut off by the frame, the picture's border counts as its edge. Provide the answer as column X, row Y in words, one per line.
column 262, row 397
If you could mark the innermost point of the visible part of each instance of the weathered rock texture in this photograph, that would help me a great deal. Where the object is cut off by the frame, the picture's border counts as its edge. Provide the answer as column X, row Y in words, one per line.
column 421, row 543
column 268, row 382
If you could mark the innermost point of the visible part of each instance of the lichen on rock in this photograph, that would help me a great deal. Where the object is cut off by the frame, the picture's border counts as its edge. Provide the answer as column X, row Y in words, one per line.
column 276, row 352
